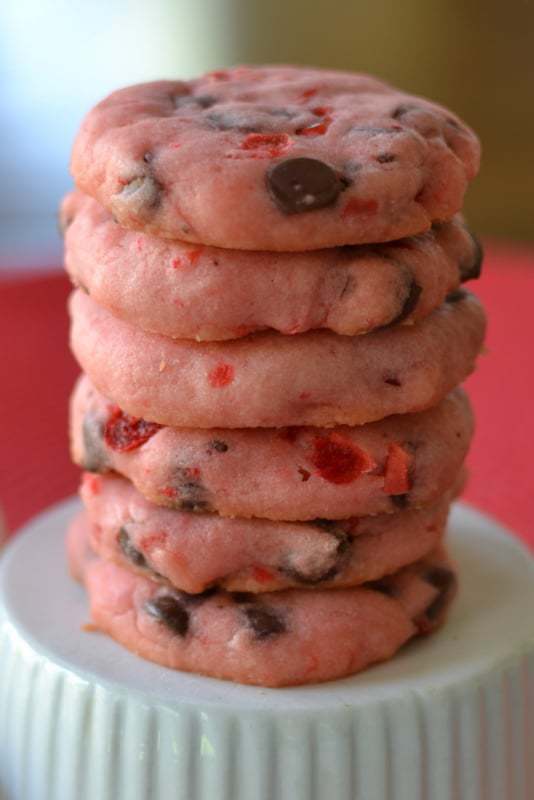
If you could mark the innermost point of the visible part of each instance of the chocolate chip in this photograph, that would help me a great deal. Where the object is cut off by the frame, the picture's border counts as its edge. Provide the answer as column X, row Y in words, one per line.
column 142, row 193
column 344, row 541
column 191, row 493
column 403, row 109
column 471, row 270
column 199, row 598
column 198, row 506
column 445, row 580
column 384, row 587
column 456, row 296
column 426, row 121
column 243, row 597
column 168, row 610
column 218, row 445
column 400, row 500
column 264, row 621
column 323, row 572
column 329, row 525
column 131, row 552
column 440, row 577
column 410, row 303
column 94, row 457
column 453, row 123
column 392, row 381
column 192, row 101
column 303, row 184
column 385, row 158
column 205, row 100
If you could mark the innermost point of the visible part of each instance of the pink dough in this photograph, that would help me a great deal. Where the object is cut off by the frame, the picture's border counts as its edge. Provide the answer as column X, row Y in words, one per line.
column 206, row 293
column 287, row 474
column 196, row 551
column 271, row 380
column 275, row 158
column 278, row 639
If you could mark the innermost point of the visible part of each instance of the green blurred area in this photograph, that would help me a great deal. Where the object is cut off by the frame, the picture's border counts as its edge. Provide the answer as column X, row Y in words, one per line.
column 475, row 57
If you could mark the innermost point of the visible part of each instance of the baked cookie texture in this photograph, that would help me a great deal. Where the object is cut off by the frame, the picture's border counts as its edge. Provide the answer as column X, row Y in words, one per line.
column 189, row 291
column 276, row 639
column 271, row 380
column 194, row 552
column 271, row 318
column 275, row 158
column 296, row 473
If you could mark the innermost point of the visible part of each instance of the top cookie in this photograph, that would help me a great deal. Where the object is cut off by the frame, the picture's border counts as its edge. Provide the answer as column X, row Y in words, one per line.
column 275, row 158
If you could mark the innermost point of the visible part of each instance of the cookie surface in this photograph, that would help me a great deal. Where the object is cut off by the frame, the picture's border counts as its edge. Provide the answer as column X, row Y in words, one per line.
column 195, row 552
column 206, row 293
column 287, row 474
column 271, row 380
column 278, row 639
column 275, row 158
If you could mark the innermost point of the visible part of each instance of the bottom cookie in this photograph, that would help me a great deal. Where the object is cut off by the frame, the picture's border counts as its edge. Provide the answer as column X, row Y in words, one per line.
column 280, row 639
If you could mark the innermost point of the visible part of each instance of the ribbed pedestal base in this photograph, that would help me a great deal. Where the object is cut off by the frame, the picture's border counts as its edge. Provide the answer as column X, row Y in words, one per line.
column 451, row 718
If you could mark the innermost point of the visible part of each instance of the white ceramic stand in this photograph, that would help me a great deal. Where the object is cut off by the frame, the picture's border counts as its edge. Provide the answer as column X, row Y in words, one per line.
column 450, row 718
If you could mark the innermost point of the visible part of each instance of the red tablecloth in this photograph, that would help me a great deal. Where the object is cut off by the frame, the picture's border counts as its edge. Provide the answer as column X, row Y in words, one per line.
column 37, row 372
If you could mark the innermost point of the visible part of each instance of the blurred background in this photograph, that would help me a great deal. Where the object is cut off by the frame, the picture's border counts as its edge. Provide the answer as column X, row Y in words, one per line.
column 58, row 57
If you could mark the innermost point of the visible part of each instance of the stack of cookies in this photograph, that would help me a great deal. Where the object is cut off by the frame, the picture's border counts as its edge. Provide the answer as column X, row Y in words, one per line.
column 272, row 326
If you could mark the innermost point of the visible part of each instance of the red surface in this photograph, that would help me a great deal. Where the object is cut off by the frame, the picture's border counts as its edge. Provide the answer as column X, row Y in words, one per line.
column 37, row 372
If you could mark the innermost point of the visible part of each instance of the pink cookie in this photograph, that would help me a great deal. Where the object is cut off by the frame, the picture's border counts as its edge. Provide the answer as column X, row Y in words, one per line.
column 279, row 639
column 206, row 293
column 78, row 548
column 275, row 158
column 194, row 552
column 271, row 380
column 287, row 474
